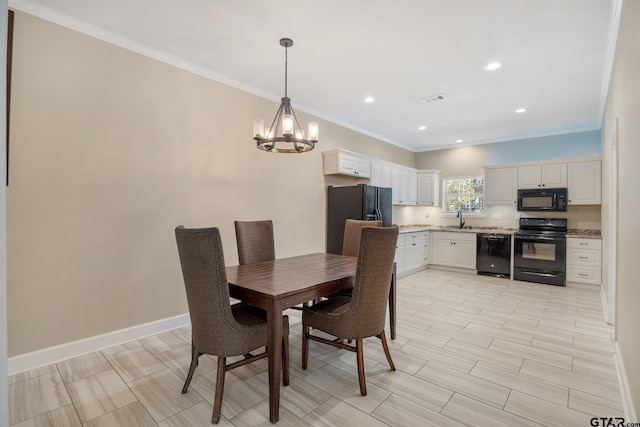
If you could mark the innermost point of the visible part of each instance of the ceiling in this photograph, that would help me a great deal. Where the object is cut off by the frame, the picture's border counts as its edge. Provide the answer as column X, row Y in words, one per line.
column 555, row 57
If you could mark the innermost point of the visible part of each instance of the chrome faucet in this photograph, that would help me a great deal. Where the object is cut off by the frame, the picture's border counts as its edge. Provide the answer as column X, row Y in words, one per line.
column 460, row 216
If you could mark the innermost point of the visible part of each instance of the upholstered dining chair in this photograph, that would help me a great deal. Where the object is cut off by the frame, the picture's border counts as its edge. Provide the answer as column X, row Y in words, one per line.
column 350, row 247
column 352, row 229
column 217, row 327
column 256, row 244
column 255, row 241
column 362, row 315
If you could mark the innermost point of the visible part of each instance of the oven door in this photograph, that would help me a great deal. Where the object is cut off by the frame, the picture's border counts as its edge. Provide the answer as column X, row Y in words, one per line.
column 540, row 258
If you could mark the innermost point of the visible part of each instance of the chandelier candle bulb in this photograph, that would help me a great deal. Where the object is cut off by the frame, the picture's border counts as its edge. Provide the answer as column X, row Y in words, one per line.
column 299, row 134
column 313, row 131
column 287, row 125
column 258, row 128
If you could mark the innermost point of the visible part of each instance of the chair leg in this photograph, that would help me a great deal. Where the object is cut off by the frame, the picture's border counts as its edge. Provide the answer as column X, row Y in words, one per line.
column 383, row 338
column 305, row 346
column 217, row 400
column 285, row 360
column 361, row 379
column 195, row 355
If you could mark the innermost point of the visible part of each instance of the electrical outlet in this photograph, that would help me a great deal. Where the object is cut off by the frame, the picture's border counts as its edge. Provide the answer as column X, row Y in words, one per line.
column 427, row 215
column 496, row 215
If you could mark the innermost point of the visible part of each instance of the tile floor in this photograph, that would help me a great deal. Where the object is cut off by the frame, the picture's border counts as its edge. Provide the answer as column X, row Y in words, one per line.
column 471, row 350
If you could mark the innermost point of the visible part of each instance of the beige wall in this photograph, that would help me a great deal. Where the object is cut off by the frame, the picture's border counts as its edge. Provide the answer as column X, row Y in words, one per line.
column 4, row 391
column 623, row 105
column 110, row 150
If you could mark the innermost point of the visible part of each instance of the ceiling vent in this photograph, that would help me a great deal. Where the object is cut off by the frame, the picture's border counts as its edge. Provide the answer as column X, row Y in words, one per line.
column 434, row 98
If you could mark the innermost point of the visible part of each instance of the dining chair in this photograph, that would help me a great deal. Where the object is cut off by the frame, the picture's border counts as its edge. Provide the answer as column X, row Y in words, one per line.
column 352, row 229
column 362, row 315
column 255, row 241
column 350, row 247
column 217, row 327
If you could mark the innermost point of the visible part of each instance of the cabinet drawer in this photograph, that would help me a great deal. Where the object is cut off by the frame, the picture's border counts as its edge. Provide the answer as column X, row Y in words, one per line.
column 584, row 257
column 584, row 274
column 459, row 236
column 420, row 236
column 584, row 243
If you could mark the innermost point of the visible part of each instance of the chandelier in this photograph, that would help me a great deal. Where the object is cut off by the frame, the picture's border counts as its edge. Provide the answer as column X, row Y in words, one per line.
column 285, row 128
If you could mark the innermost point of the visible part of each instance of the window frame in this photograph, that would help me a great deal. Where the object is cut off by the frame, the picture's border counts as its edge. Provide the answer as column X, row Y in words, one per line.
column 477, row 213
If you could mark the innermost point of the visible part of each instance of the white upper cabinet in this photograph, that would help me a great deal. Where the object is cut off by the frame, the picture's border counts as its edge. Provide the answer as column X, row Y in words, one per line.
column 380, row 173
column 429, row 188
column 542, row 176
column 341, row 162
column 584, row 183
column 501, row 186
column 404, row 188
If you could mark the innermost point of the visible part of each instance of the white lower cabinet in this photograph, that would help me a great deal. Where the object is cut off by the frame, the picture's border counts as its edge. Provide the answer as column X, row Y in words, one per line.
column 412, row 252
column 454, row 249
column 400, row 264
column 584, row 260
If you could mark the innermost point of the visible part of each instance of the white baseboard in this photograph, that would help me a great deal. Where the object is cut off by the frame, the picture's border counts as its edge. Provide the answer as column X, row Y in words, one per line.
column 605, row 305
column 630, row 414
column 47, row 356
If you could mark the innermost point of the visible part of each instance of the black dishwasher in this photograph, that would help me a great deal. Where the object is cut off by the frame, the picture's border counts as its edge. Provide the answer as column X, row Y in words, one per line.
column 493, row 254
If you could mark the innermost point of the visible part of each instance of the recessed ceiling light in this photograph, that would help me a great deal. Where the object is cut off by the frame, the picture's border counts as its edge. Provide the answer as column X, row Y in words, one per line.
column 492, row 66
column 422, row 127
column 458, row 140
column 369, row 99
column 521, row 110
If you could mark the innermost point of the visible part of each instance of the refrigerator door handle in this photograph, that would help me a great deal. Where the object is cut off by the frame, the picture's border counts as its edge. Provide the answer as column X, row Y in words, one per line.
column 379, row 214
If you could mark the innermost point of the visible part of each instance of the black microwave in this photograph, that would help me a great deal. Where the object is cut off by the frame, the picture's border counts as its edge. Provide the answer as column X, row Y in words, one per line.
column 543, row 200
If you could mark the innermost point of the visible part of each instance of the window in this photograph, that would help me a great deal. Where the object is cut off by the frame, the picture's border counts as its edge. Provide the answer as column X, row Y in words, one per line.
column 465, row 194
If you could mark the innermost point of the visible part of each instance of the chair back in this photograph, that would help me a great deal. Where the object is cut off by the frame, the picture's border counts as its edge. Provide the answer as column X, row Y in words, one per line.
column 352, row 229
column 368, row 305
column 255, row 241
column 214, row 330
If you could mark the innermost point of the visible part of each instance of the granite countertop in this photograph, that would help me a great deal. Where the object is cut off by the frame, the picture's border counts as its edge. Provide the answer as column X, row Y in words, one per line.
column 584, row 233
column 572, row 232
column 466, row 229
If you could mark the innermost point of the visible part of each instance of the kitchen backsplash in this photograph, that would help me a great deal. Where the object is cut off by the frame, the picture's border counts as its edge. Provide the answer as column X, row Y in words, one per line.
column 578, row 217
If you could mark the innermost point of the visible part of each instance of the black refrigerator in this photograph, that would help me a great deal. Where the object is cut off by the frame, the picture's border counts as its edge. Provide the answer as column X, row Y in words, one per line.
column 363, row 202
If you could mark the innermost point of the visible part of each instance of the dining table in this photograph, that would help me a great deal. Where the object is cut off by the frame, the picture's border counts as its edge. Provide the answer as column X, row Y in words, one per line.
column 284, row 283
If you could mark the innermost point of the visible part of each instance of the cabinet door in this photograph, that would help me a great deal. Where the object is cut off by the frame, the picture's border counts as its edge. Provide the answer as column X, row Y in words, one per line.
column 413, row 255
column 386, row 176
column 501, row 186
column 428, row 194
column 362, row 167
column 399, row 186
column 584, row 183
column 529, row 177
column 554, row 176
column 464, row 254
column 412, row 188
column 376, row 174
column 400, row 256
column 442, row 252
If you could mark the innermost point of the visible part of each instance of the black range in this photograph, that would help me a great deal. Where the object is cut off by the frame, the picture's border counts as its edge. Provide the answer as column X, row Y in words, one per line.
column 540, row 247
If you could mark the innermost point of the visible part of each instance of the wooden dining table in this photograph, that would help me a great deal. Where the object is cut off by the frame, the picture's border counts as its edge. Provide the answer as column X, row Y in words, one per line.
column 283, row 283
